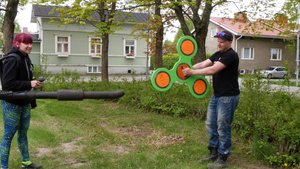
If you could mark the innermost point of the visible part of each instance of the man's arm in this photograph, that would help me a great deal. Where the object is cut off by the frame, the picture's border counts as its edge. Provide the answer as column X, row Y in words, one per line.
column 203, row 64
column 210, row 70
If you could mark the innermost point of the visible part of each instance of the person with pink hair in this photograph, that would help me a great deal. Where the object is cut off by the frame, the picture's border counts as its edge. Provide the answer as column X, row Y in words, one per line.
column 17, row 76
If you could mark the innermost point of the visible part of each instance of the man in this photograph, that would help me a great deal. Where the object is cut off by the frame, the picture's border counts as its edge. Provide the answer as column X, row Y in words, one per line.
column 223, row 65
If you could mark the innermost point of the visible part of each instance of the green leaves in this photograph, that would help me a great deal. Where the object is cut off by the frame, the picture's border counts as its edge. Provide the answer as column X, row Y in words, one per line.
column 271, row 120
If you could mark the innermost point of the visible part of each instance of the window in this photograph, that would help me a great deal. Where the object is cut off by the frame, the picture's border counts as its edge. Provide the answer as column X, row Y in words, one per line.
column 276, row 54
column 95, row 47
column 62, row 44
column 213, row 32
column 248, row 53
column 130, row 48
column 93, row 69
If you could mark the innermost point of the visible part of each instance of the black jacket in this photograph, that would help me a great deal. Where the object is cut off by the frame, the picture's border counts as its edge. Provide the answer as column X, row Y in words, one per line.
column 17, row 75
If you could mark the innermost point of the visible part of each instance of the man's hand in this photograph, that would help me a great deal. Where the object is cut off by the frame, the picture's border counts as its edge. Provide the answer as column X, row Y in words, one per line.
column 36, row 84
column 187, row 72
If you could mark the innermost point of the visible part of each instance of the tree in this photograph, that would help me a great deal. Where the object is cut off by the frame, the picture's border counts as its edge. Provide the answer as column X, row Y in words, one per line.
column 290, row 13
column 199, row 12
column 159, row 36
column 8, row 22
column 8, row 25
column 200, row 23
column 155, row 26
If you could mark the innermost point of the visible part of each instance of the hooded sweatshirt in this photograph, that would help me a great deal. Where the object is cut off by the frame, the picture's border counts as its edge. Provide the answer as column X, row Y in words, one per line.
column 17, row 75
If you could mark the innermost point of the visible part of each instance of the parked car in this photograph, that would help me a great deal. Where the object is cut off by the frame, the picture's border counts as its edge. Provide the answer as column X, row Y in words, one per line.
column 274, row 72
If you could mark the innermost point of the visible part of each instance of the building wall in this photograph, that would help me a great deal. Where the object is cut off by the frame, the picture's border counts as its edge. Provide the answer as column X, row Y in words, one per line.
column 262, row 53
column 35, row 53
column 79, row 57
column 262, row 50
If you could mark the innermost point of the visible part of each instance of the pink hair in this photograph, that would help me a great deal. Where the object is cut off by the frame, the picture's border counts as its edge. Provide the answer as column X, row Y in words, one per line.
column 22, row 38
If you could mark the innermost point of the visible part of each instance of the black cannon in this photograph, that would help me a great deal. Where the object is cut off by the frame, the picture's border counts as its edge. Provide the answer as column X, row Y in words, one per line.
column 63, row 95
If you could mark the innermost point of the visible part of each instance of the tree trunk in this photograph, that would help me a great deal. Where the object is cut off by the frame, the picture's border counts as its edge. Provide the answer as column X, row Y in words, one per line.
column 159, row 36
column 200, row 24
column 108, row 20
column 201, row 29
column 104, row 67
column 8, row 24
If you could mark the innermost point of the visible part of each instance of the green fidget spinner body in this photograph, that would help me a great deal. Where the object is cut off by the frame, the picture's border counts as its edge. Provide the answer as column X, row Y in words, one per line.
column 163, row 79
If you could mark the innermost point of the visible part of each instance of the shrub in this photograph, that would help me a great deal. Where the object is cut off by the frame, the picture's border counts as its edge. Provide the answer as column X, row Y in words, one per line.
column 271, row 120
column 177, row 101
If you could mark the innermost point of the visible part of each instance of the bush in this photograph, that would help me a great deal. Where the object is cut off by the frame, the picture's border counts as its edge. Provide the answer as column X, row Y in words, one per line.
column 177, row 101
column 168, row 60
column 271, row 120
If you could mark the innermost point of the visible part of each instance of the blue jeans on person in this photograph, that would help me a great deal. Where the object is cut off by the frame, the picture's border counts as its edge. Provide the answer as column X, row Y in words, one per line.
column 218, row 123
column 16, row 118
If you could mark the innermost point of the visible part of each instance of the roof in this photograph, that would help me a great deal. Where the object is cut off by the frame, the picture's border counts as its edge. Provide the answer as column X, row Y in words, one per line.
column 258, row 28
column 50, row 12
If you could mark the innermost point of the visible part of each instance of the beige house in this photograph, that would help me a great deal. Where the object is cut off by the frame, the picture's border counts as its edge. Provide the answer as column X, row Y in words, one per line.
column 258, row 45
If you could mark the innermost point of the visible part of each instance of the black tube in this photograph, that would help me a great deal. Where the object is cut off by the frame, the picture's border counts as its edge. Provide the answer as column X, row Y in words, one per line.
column 63, row 95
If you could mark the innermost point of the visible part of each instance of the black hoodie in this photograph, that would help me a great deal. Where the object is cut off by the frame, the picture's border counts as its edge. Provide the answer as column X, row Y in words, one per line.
column 17, row 75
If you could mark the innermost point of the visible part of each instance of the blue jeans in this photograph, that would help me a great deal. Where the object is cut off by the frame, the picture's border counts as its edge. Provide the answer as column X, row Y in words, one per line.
column 16, row 118
column 218, row 123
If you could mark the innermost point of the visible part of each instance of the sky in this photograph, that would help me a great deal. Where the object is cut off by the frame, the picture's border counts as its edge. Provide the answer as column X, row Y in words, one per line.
column 24, row 16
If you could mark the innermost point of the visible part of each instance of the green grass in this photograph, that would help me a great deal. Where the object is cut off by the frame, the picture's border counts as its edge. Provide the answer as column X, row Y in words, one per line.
column 96, row 134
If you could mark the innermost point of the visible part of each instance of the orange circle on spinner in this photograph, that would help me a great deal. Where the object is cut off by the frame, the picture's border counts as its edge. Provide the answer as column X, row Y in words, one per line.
column 187, row 47
column 199, row 87
column 162, row 79
column 179, row 70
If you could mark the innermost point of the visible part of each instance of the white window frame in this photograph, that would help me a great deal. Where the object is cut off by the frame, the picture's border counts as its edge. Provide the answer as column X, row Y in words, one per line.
column 60, row 53
column 213, row 32
column 251, row 54
column 97, row 67
column 128, row 55
column 95, row 54
column 278, row 52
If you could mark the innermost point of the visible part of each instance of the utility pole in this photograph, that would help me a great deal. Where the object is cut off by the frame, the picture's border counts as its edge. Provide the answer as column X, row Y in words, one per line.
column 297, row 47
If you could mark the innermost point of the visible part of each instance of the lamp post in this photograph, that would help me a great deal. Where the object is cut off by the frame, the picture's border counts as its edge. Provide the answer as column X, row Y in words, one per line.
column 297, row 47
column 297, row 59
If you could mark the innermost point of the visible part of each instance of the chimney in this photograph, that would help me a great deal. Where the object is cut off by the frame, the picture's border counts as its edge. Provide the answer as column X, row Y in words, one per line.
column 241, row 17
column 25, row 30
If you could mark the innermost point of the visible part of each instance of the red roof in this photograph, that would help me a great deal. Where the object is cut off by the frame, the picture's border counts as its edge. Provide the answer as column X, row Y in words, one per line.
column 260, row 28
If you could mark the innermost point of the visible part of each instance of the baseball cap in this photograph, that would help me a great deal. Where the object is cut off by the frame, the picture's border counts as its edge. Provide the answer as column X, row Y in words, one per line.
column 225, row 35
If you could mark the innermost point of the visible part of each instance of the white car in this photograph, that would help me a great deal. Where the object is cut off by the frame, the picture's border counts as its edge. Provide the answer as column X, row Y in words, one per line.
column 274, row 72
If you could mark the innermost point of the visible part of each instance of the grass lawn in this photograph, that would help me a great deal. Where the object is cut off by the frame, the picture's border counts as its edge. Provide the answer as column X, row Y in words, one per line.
column 96, row 134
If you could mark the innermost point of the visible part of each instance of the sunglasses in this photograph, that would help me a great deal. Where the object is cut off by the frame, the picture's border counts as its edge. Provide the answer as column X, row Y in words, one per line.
column 221, row 34
column 224, row 35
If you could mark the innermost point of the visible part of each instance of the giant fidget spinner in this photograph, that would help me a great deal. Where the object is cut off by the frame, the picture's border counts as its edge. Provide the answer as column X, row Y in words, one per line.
column 163, row 79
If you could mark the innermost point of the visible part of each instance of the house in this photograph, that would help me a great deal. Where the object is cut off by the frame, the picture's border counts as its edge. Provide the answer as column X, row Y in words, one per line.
column 258, row 43
column 74, row 47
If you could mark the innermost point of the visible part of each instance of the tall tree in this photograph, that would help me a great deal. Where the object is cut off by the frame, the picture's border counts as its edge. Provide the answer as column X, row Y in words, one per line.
column 8, row 25
column 199, row 12
column 155, row 26
column 200, row 23
column 159, row 35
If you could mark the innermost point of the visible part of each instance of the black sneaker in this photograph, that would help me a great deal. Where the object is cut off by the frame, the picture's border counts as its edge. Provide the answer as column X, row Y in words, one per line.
column 31, row 166
column 220, row 163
